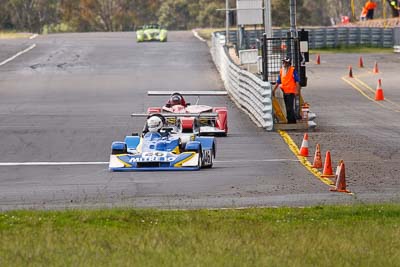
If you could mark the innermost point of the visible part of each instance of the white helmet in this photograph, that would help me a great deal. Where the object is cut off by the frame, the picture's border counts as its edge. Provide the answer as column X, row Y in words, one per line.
column 154, row 124
column 176, row 100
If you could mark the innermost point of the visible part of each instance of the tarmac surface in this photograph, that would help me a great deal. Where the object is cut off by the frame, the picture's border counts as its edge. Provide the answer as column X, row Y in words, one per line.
column 65, row 101
column 363, row 132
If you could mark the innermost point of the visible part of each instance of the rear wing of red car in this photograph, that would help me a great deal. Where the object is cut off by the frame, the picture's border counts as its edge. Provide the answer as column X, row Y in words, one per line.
column 188, row 93
column 204, row 115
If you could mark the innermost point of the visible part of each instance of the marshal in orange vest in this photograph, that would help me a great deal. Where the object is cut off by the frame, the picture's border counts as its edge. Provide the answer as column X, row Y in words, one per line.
column 288, row 83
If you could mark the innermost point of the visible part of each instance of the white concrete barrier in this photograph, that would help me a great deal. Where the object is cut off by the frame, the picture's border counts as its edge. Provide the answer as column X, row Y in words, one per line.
column 248, row 91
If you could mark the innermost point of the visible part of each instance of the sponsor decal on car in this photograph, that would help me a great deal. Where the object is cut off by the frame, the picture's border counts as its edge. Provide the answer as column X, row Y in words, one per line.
column 153, row 157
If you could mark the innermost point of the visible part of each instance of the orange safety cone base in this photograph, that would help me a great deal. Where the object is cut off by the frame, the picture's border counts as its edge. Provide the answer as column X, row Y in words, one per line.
column 327, row 172
column 328, row 176
column 304, row 146
column 361, row 63
column 317, row 158
column 379, row 91
column 339, row 190
column 350, row 72
column 375, row 70
column 317, row 164
column 304, row 154
column 379, row 95
column 340, row 184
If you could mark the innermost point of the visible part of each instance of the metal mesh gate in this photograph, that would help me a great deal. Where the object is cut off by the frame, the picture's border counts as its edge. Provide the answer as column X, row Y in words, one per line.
column 273, row 51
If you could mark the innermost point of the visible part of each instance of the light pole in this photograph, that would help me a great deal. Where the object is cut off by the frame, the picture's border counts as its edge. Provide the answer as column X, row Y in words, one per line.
column 226, row 22
column 293, row 30
column 267, row 18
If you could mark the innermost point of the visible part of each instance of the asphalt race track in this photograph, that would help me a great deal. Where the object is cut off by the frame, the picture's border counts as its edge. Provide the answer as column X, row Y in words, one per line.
column 363, row 132
column 66, row 100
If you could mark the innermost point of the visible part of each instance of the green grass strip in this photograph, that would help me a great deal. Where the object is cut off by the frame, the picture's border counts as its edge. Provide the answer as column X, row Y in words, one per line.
column 352, row 50
column 13, row 35
column 365, row 235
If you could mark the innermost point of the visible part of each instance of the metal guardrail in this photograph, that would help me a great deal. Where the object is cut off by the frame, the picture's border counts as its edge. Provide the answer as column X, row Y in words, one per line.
column 330, row 36
column 248, row 91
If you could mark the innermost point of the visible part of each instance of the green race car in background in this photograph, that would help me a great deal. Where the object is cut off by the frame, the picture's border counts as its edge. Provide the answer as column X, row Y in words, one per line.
column 151, row 32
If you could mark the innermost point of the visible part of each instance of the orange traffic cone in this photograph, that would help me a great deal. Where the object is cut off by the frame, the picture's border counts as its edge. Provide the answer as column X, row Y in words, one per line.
column 318, row 61
column 340, row 185
column 361, row 63
column 317, row 158
column 379, row 91
column 304, row 146
column 338, row 170
column 327, row 172
column 375, row 70
column 350, row 72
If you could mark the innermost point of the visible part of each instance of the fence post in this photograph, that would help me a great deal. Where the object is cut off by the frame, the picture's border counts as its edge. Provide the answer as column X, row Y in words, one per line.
column 264, row 58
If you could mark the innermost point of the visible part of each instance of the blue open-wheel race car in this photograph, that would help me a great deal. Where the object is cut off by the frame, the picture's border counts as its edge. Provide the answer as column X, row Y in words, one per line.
column 164, row 149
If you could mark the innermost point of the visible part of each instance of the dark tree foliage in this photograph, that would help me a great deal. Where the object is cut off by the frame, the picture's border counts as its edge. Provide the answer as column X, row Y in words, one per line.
column 125, row 15
column 394, row 7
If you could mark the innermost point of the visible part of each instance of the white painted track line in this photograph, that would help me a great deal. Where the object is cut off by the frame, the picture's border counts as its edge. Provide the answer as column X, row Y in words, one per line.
column 11, row 164
column 17, row 55
column 196, row 34
column 255, row 160
column 34, row 36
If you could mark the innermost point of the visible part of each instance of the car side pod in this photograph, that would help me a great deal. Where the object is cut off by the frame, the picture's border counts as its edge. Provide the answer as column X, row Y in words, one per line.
column 222, row 119
column 193, row 146
column 117, row 148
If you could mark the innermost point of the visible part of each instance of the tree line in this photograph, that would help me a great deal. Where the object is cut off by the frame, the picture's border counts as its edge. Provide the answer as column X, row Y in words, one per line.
column 125, row 15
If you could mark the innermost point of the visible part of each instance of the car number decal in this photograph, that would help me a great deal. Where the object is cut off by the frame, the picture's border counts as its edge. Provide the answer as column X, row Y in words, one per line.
column 207, row 157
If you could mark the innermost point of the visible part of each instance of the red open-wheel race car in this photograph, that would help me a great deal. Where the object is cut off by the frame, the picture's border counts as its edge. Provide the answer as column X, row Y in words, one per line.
column 213, row 125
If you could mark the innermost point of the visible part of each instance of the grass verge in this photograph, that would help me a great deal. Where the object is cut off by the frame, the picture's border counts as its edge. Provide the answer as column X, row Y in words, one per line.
column 352, row 49
column 206, row 32
column 317, row 236
column 13, row 35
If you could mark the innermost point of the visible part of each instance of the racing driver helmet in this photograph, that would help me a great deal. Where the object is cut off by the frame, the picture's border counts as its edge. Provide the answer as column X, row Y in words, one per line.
column 154, row 124
column 176, row 100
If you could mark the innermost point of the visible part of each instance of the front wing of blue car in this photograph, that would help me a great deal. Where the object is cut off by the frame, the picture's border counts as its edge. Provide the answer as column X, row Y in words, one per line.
column 153, row 161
